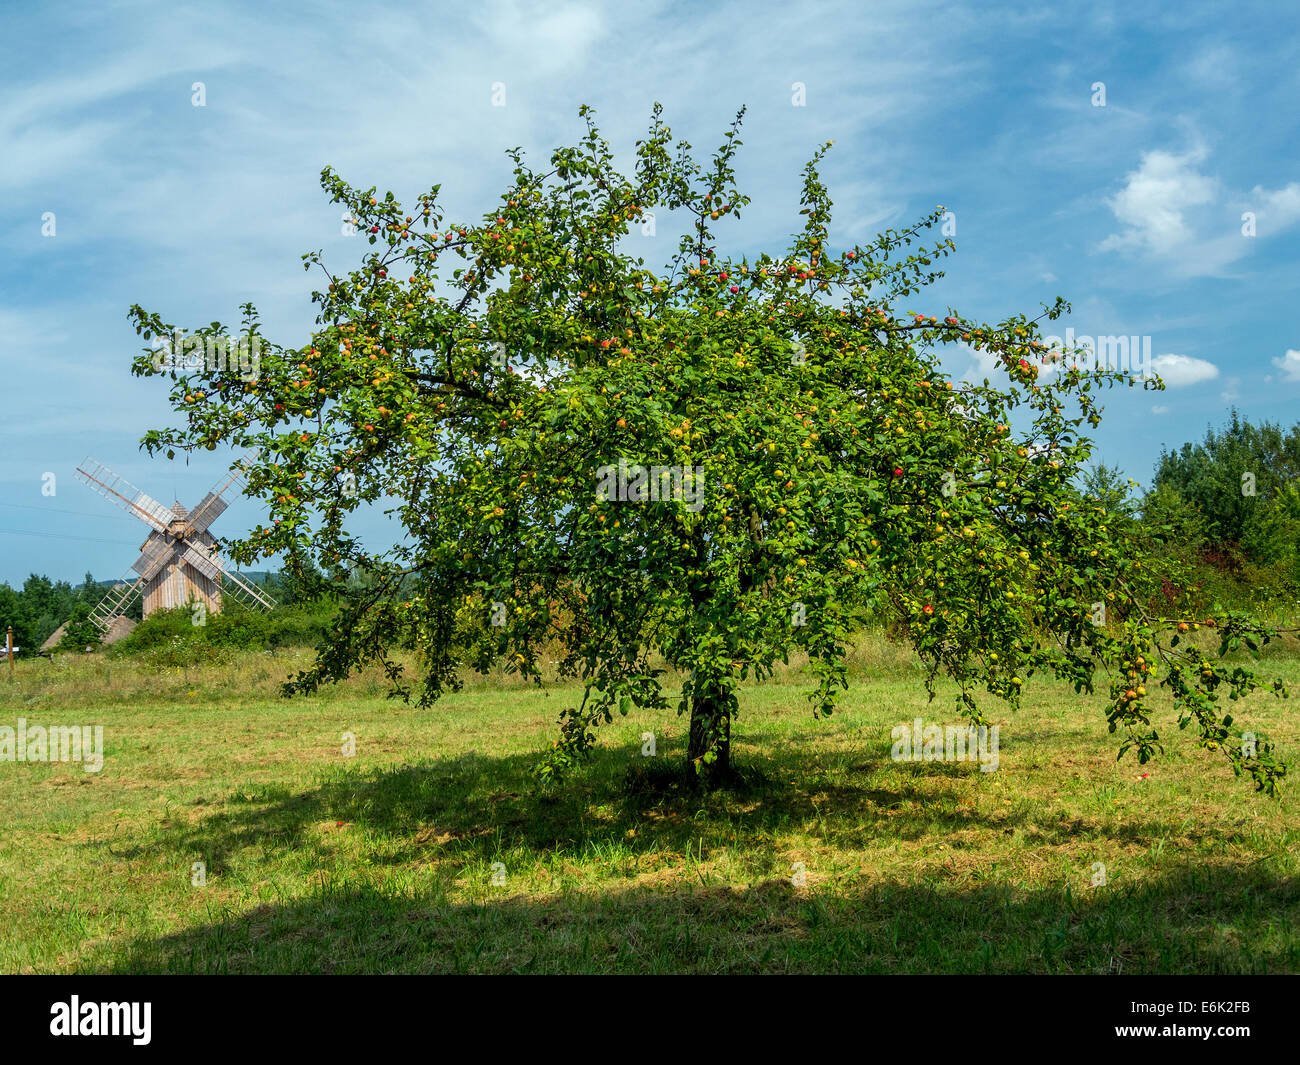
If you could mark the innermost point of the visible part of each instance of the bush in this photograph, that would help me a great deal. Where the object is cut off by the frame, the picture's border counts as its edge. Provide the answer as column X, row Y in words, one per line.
column 169, row 635
column 80, row 632
column 179, row 653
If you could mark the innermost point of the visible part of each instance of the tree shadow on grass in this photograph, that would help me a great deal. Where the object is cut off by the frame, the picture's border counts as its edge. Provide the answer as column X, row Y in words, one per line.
column 443, row 822
column 481, row 805
column 1219, row 920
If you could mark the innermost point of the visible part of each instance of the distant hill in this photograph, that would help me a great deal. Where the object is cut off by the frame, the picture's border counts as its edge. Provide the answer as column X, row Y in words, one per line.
column 254, row 576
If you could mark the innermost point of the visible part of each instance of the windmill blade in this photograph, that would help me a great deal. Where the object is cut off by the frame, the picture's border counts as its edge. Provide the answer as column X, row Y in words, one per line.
column 201, row 562
column 208, row 510
column 158, row 551
column 242, row 592
column 126, row 495
column 232, row 584
column 117, row 602
column 212, row 505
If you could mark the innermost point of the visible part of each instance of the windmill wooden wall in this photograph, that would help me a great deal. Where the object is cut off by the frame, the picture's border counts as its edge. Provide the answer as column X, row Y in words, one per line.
column 178, row 583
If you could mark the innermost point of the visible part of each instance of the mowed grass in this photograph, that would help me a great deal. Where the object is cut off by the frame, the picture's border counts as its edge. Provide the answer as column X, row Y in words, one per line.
column 385, row 861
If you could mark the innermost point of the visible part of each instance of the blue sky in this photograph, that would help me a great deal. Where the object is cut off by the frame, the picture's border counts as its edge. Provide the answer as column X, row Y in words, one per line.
column 1132, row 211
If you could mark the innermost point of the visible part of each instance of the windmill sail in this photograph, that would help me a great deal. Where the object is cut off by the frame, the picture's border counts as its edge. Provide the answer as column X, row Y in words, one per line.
column 241, row 591
column 232, row 584
column 212, row 505
column 117, row 602
column 201, row 562
column 125, row 494
column 208, row 510
column 157, row 551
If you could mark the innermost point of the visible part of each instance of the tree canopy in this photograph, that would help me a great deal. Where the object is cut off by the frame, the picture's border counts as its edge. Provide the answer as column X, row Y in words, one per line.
column 718, row 462
column 40, row 606
column 1227, row 474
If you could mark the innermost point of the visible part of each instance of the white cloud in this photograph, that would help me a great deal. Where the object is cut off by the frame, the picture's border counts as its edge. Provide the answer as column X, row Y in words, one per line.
column 1173, row 212
column 1289, row 364
column 44, row 138
column 963, row 363
column 1276, row 210
column 1155, row 199
column 1179, row 371
column 1159, row 408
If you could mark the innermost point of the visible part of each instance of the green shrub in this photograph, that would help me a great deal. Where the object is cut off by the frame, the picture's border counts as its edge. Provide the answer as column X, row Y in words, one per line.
column 172, row 633
column 179, row 653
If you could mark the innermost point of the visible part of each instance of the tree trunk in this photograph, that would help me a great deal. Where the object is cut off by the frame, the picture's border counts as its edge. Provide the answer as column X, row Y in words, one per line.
column 710, row 731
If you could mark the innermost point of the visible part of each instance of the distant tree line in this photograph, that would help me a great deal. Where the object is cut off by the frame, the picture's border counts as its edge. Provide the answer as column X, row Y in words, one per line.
column 1228, row 506
column 40, row 606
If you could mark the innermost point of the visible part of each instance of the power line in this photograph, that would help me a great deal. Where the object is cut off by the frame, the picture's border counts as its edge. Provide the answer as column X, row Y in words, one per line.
column 63, row 536
column 62, row 510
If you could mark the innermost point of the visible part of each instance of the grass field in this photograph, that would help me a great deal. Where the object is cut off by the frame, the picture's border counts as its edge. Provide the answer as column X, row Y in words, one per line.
column 384, row 861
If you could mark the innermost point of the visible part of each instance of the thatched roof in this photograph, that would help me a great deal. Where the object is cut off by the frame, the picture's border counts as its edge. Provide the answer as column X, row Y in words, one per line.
column 55, row 637
column 120, row 628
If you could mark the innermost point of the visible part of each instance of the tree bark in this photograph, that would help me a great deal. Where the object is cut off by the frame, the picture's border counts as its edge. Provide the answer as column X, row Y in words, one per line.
column 710, row 730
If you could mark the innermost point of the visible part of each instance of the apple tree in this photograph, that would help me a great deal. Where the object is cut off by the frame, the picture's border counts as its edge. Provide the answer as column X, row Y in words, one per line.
column 712, row 463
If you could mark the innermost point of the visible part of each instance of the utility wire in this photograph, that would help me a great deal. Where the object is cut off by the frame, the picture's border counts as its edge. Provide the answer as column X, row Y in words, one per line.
column 63, row 536
column 61, row 510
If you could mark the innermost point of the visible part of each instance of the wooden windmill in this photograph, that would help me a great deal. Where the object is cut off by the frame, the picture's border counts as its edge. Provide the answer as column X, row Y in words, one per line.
column 178, row 563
